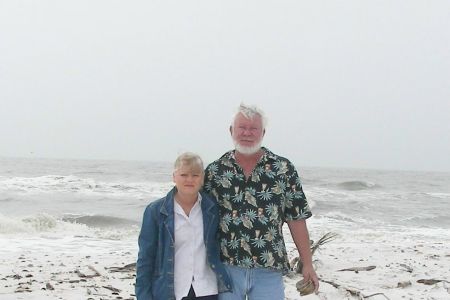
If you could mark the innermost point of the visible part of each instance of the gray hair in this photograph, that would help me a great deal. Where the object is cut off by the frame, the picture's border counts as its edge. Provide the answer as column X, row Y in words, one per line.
column 189, row 160
column 250, row 111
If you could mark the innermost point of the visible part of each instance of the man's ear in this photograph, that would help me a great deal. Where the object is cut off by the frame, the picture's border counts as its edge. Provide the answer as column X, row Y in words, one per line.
column 264, row 132
column 231, row 130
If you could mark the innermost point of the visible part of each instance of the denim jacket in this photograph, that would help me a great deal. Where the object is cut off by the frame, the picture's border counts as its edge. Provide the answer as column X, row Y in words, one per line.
column 155, row 263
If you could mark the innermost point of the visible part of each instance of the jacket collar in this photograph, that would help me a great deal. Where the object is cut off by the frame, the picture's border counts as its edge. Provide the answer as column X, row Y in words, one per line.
column 167, row 208
column 207, row 203
column 167, row 205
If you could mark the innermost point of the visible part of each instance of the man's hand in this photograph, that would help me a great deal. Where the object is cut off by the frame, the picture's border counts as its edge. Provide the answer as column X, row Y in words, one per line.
column 310, row 275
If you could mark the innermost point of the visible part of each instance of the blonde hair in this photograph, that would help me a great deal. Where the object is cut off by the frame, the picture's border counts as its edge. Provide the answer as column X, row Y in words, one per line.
column 190, row 160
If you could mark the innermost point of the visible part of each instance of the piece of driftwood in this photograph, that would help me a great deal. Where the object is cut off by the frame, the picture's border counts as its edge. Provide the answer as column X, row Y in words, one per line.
column 353, row 291
column 431, row 281
column 358, row 269
column 403, row 284
column 127, row 268
column 23, row 289
column 82, row 275
column 111, row 288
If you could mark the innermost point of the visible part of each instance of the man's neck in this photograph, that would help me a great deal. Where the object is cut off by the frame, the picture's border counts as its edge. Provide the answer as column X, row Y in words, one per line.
column 248, row 161
column 249, row 157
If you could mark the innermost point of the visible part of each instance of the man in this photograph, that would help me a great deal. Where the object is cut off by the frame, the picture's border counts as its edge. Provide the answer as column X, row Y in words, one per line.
column 257, row 192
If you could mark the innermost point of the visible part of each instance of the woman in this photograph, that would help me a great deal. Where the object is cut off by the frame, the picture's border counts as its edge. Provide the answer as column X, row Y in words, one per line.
column 178, row 251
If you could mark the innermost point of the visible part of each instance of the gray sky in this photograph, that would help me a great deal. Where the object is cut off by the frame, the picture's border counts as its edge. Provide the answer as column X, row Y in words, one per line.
column 362, row 84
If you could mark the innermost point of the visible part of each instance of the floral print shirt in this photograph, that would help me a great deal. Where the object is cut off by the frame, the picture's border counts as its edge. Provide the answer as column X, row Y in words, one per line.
column 253, row 210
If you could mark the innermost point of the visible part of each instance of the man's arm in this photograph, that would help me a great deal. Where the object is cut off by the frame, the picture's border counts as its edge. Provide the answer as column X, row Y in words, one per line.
column 300, row 235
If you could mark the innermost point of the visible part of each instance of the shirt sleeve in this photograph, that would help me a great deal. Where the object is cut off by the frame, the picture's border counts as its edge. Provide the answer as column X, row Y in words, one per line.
column 208, row 181
column 295, row 204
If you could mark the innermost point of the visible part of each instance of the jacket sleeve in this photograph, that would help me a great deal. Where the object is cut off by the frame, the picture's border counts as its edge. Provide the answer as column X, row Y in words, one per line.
column 148, row 243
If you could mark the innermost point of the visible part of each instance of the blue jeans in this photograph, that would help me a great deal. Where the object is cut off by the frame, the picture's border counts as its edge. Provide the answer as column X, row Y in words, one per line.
column 254, row 284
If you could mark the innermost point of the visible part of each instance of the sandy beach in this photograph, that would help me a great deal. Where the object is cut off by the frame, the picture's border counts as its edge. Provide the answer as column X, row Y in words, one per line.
column 380, row 268
column 66, row 269
column 77, row 268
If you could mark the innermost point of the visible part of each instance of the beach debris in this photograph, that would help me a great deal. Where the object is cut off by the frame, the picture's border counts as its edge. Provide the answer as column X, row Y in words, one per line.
column 73, row 281
column 127, row 268
column 296, row 263
column 431, row 281
column 358, row 269
column 82, row 275
column 404, row 284
column 23, row 289
column 131, row 276
column 305, row 287
column 49, row 287
column 327, row 237
column 352, row 291
column 407, row 268
column 111, row 288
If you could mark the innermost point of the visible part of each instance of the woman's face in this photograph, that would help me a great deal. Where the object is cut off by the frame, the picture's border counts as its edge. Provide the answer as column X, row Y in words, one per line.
column 188, row 180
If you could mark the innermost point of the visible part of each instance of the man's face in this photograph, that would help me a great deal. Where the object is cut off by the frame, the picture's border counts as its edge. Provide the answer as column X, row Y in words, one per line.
column 247, row 134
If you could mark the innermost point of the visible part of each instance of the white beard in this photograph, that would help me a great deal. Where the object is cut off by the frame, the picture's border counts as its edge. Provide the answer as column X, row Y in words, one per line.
column 247, row 150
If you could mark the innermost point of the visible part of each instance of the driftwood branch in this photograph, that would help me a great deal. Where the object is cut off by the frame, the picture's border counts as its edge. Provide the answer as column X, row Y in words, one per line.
column 431, row 281
column 358, row 269
column 352, row 291
column 111, row 288
column 127, row 268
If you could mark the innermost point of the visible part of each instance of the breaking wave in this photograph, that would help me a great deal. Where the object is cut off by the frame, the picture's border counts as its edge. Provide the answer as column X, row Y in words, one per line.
column 357, row 185
column 107, row 227
column 99, row 221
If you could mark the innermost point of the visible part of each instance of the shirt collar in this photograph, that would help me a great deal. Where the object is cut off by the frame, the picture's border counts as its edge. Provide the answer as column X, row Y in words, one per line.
column 179, row 210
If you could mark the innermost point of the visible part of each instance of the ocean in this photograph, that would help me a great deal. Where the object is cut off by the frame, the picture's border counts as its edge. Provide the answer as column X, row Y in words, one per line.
column 92, row 201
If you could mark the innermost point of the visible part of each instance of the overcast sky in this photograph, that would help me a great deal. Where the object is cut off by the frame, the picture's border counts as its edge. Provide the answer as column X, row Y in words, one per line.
column 363, row 84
